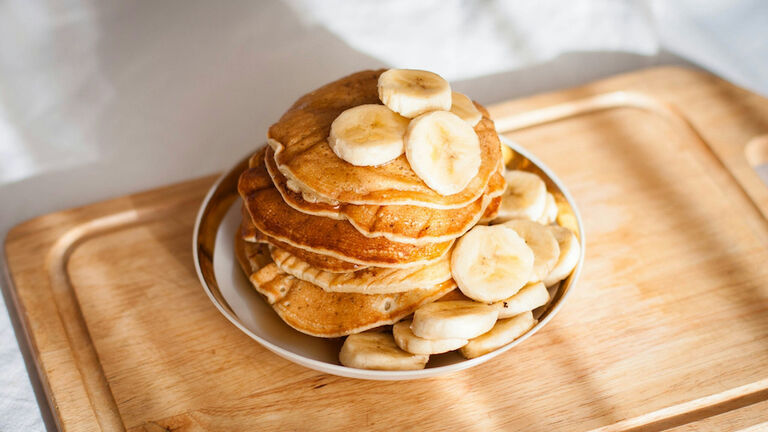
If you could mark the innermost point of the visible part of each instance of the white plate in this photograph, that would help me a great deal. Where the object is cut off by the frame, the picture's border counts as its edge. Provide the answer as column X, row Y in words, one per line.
column 233, row 295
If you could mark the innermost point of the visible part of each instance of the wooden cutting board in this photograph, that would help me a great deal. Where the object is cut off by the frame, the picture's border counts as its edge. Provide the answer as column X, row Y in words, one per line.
column 668, row 326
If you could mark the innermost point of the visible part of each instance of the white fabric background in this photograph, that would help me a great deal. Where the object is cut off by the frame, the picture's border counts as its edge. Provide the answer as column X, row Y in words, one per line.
column 102, row 98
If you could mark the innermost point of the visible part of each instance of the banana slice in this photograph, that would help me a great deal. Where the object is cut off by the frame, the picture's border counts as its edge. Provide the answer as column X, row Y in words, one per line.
column 453, row 320
column 368, row 135
column 550, row 211
column 414, row 92
column 378, row 351
column 542, row 242
column 524, row 198
column 504, row 332
column 443, row 150
column 570, row 251
column 491, row 263
column 463, row 107
column 406, row 340
column 506, row 154
column 527, row 299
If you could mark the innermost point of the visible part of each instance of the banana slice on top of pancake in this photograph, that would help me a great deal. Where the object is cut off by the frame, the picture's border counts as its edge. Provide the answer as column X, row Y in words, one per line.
column 462, row 106
column 412, row 92
column 443, row 150
column 368, row 135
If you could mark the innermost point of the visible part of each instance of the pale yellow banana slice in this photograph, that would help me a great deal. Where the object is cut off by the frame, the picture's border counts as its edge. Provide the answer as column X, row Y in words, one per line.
column 506, row 154
column 550, row 211
column 368, row 135
column 542, row 242
column 453, row 320
column 527, row 299
column 504, row 332
column 463, row 107
column 406, row 340
column 491, row 263
column 443, row 150
column 570, row 252
column 524, row 198
column 378, row 351
column 414, row 92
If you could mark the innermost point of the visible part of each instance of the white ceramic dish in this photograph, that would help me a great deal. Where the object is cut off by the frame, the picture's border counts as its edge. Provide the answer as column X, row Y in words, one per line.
column 228, row 288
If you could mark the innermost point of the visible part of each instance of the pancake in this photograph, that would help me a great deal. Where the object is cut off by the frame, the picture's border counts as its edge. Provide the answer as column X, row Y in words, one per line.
column 335, row 238
column 309, row 309
column 303, row 155
column 250, row 234
column 399, row 223
column 491, row 211
column 373, row 280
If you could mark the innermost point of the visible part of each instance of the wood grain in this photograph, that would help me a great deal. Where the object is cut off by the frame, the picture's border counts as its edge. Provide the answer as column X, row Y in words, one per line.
column 668, row 326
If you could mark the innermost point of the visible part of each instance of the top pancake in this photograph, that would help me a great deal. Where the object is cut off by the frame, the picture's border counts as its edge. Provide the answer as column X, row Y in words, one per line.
column 399, row 223
column 303, row 155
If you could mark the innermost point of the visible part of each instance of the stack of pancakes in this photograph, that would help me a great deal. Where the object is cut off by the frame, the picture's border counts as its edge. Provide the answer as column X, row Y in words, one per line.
column 336, row 248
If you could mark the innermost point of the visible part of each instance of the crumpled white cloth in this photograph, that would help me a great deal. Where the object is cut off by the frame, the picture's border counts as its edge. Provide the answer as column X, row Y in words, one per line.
column 138, row 94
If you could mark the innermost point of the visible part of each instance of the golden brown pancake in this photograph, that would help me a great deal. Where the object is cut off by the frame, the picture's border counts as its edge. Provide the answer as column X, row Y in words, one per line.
column 372, row 280
column 399, row 223
column 303, row 155
column 309, row 309
column 322, row 262
column 335, row 238
column 492, row 210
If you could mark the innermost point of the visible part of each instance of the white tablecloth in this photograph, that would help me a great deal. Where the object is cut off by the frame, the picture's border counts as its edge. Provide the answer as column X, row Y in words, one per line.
column 99, row 99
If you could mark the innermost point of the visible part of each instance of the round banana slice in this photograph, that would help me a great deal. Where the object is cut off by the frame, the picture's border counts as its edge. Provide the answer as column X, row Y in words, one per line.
column 491, row 263
column 542, row 242
column 414, row 92
column 368, row 135
column 527, row 299
column 550, row 211
column 504, row 332
column 453, row 320
column 524, row 198
column 463, row 107
column 406, row 340
column 443, row 150
column 570, row 251
column 378, row 351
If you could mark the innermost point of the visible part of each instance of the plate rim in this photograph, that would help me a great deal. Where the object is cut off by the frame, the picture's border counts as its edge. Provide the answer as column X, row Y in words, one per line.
column 380, row 375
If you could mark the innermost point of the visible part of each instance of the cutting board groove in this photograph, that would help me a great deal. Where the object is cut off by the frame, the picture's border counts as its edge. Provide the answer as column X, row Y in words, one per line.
column 668, row 325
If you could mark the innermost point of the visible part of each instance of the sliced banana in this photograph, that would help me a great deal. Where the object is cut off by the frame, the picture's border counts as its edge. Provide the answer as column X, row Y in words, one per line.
column 491, row 263
column 406, row 340
column 527, row 299
column 368, row 135
column 413, row 92
column 504, row 332
column 453, row 320
column 378, row 351
column 542, row 242
column 570, row 251
column 506, row 154
column 462, row 106
column 443, row 150
column 550, row 211
column 524, row 198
